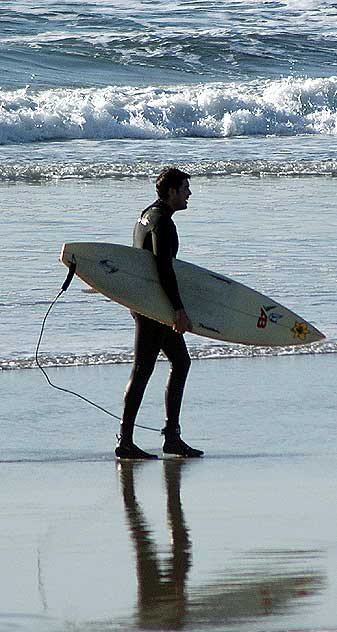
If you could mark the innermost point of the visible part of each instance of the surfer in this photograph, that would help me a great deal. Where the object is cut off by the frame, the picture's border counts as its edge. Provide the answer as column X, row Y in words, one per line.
column 156, row 231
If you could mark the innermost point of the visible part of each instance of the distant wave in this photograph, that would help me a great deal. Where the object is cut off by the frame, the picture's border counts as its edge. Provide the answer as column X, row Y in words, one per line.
column 85, row 42
column 283, row 108
column 205, row 352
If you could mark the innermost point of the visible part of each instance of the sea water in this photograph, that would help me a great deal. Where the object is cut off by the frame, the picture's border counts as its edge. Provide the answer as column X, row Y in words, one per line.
column 95, row 99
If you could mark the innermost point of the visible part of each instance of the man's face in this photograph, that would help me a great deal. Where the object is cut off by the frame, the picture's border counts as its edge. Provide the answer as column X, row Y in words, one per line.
column 178, row 199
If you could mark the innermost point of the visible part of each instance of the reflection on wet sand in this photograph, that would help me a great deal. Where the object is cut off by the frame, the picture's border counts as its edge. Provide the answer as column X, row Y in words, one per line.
column 255, row 594
column 265, row 583
column 161, row 591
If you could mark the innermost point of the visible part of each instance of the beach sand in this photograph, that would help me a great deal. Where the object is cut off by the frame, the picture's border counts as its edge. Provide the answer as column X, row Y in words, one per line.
column 243, row 539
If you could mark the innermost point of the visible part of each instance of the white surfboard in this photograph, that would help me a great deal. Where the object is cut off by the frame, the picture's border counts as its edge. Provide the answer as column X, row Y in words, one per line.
column 218, row 306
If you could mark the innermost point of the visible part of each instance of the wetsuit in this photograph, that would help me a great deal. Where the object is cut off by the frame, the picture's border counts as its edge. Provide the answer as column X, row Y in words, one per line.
column 156, row 231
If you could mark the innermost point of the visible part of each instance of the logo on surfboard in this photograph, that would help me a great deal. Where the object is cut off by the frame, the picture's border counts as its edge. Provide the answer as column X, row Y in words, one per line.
column 300, row 330
column 108, row 266
column 267, row 315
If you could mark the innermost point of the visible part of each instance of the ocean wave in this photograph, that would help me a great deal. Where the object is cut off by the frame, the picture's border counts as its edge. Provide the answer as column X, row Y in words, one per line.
column 205, row 352
column 283, row 108
column 200, row 39
column 216, row 51
column 44, row 171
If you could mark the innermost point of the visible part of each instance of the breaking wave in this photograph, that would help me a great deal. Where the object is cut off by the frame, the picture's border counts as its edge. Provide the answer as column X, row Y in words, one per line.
column 283, row 108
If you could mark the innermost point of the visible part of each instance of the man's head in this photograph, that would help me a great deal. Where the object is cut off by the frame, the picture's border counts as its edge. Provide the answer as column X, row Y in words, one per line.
column 173, row 187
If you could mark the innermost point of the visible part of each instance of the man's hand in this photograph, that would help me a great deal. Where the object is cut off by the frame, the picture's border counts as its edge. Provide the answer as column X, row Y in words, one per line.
column 182, row 322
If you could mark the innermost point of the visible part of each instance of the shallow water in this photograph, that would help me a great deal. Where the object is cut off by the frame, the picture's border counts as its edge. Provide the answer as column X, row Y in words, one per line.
column 276, row 236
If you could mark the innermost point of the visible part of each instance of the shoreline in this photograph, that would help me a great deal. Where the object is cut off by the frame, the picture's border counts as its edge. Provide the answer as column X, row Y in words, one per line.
column 238, row 397
column 205, row 351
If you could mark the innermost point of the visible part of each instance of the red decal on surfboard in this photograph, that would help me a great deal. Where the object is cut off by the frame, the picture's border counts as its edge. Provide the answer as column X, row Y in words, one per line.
column 262, row 321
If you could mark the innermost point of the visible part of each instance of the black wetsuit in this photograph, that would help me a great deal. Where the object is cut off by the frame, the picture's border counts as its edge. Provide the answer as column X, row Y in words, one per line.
column 156, row 231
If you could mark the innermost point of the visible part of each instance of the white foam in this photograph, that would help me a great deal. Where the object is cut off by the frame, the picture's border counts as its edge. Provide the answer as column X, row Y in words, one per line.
column 206, row 351
column 285, row 107
column 37, row 171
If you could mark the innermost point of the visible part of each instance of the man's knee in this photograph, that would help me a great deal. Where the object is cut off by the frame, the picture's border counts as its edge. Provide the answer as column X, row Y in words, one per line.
column 181, row 367
column 141, row 373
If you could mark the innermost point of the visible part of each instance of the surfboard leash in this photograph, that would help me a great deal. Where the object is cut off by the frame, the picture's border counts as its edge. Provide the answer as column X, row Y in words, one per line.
column 65, row 285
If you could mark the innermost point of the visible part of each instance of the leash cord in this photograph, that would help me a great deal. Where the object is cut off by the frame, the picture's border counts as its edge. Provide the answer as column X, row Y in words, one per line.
column 65, row 286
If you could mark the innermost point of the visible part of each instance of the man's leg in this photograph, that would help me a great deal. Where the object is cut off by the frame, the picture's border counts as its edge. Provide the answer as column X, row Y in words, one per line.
column 175, row 350
column 148, row 338
column 174, row 347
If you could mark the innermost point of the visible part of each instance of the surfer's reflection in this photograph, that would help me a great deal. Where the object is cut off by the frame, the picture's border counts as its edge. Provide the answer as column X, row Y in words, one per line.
column 264, row 583
column 161, row 587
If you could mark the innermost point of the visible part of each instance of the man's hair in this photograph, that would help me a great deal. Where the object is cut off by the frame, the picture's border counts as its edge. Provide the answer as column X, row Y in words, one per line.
column 169, row 177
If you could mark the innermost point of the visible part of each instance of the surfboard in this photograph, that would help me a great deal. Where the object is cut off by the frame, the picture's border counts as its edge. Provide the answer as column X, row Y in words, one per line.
column 218, row 306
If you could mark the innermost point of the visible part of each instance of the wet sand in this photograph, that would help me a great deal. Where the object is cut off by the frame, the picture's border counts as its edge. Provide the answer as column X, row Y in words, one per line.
column 243, row 539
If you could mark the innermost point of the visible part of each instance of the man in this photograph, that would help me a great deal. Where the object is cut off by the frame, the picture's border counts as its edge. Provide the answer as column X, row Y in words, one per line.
column 156, row 231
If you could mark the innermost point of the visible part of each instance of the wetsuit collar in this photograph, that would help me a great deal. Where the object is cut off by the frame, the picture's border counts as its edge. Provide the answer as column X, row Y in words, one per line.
column 161, row 205
column 164, row 206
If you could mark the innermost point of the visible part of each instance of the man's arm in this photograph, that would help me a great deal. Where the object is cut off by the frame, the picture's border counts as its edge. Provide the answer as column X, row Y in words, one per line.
column 163, row 252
